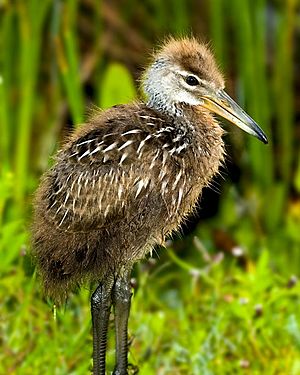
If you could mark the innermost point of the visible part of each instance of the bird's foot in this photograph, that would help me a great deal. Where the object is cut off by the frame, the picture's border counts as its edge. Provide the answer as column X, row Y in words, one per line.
column 131, row 370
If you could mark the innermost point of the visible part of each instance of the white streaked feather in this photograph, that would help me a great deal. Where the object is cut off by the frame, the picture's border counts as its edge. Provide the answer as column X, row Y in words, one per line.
column 141, row 145
column 120, row 191
column 171, row 152
column 78, row 191
column 180, row 148
column 84, row 154
column 127, row 143
column 73, row 204
column 133, row 131
column 85, row 142
column 74, row 154
column 164, row 185
column 63, row 218
column 98, row 148
column 162, row 174
column 177, row 138
column 105, row 158
column 53, row 204
column 67, row 197
column 123, row 157
column 164, row 158
column 110, row 147
column 154, row 158
column 149, row 136
column 79, row 178
column 59, row 190
column 109, row 134
column 106, row 210
column 177, row 179
column 140, row 185
column 180, row 194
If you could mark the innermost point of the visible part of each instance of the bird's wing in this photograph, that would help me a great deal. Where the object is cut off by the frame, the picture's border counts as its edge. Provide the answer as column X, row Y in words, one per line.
column 97, row 174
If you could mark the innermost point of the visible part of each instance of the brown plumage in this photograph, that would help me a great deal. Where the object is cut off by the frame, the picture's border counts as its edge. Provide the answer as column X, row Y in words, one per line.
column 129, row 177
column 117, row 188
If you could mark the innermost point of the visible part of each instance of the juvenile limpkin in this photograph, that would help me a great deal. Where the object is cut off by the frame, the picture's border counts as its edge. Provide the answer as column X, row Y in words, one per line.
column 128, row 178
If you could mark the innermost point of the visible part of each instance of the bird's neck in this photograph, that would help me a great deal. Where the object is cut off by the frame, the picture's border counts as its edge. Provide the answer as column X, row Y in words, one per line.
column 189, row 128
column 164, row 105
column 178, row 114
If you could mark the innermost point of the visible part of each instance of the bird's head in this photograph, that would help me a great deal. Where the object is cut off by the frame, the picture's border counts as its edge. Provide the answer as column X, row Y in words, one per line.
column 185, row 72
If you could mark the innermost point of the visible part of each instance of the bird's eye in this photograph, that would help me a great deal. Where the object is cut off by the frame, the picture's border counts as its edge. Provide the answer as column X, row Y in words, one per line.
column 192, row 81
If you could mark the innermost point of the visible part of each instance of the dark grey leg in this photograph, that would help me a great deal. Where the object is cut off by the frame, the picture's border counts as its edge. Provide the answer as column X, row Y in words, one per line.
column 121, row 300
column 100, row 308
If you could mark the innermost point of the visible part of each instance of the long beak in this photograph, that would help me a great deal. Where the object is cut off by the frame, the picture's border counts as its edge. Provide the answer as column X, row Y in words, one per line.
column 221, row 103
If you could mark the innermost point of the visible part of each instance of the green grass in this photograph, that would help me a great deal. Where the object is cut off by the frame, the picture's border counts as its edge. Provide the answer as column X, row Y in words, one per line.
column 219, row 316
column 194, row 311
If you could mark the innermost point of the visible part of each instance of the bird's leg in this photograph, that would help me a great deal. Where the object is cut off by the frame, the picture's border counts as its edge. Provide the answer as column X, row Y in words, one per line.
column 100, row 307
column 121, row 300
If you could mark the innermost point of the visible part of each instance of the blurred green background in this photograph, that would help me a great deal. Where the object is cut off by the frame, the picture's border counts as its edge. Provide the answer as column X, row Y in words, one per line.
column 223, row 298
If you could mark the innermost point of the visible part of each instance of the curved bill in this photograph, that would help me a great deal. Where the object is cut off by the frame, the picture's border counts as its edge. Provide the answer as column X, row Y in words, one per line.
column 222, row 104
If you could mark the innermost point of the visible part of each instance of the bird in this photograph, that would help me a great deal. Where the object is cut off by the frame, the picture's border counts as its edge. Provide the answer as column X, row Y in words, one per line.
column 127, row 179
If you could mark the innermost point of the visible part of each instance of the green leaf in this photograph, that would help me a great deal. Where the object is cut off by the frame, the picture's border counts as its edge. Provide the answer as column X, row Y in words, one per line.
column 117, row 86
column 297, row 176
